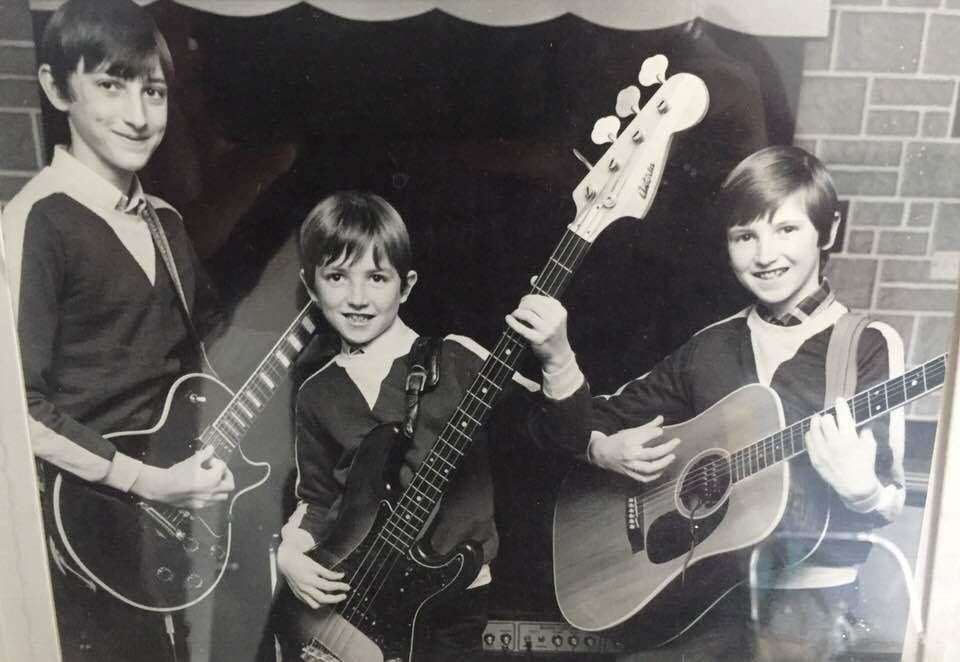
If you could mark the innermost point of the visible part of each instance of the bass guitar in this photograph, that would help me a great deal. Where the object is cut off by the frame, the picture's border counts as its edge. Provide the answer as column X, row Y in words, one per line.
column 164, row 558
column 654, row 558
column 376, row 540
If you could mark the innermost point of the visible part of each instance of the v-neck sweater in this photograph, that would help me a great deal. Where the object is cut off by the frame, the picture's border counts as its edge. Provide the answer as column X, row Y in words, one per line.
column 100, row 344
column 333, row 417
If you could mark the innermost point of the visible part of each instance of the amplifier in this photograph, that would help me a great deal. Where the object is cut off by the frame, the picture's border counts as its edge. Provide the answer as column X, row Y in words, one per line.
column 544, row 637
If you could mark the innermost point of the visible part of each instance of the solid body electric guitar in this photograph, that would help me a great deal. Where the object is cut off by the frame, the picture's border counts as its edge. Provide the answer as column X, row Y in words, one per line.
column 654, row 558
column 377, row 539
column 159, row 557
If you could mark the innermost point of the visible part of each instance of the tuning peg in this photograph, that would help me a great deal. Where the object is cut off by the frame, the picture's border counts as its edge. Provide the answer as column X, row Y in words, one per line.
column 653, row 70
column 582, row 159
column 605, row 130
column 628, row 101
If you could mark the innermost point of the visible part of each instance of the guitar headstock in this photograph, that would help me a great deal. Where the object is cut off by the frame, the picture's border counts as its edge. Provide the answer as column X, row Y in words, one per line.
column 624, row 181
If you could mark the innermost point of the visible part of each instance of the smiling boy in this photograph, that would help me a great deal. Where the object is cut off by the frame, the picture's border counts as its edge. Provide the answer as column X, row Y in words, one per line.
column 356, row 257
column 101, row 328
column 780, row 211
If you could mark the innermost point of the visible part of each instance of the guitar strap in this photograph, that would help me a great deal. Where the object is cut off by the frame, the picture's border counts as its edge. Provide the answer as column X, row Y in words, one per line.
column 149, row 214
column 423, row 375
column 841, row 368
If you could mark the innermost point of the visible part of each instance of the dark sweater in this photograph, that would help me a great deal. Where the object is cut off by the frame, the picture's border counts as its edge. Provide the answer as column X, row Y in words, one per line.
column 100, row 345
column 333, row 418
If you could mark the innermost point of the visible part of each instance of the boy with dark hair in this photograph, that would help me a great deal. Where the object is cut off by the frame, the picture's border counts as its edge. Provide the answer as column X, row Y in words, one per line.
column 101, row 327
column 781, row 216
column 356, row 257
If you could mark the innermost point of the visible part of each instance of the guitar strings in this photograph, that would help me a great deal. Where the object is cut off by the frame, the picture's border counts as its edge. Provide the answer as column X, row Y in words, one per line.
column 380, row 560
column 755, row 455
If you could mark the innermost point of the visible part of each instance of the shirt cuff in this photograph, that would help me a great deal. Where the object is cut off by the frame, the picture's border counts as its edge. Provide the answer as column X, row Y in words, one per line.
column 594, row 436
column 887, row 500
column 564, row 382
column 123, row 472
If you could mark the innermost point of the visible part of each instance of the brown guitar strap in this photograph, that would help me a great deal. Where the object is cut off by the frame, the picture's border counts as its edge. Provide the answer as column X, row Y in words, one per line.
column 423, row 375
column 841, row 369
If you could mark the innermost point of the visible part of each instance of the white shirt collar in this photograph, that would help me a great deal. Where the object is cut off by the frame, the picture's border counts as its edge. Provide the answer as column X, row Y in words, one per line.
column 370, row 367
column 80, row 182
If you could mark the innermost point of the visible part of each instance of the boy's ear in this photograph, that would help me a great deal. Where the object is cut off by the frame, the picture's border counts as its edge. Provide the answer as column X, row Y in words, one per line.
column 50, row 89
column 408, row 284
column 834, row 227
column 308, row 286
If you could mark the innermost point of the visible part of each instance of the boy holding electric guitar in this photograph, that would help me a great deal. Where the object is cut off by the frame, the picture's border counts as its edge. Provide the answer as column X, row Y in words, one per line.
column 351, row 452
column 672, row 538
column 103, row 323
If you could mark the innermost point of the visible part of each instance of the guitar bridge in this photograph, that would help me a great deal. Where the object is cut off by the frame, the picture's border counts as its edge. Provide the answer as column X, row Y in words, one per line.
column 634, row 523
column 317, row 652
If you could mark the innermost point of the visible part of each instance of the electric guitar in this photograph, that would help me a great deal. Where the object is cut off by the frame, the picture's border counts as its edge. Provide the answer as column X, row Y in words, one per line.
column 654, row 558
column 159, row 557
column 377, row 539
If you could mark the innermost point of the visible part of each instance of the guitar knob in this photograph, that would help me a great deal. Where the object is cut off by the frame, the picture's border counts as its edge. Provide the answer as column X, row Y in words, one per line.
column 218, row 552
column 191, row 544
column 164, row 574
column 194, row 580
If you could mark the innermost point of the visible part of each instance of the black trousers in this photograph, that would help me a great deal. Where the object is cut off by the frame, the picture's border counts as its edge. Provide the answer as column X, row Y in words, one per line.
column 97, row 627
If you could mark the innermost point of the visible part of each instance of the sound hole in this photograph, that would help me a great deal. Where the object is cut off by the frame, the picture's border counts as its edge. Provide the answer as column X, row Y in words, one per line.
column 706, row 483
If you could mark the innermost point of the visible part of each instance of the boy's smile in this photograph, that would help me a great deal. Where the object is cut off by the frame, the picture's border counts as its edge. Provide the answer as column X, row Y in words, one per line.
column 359, row 298
column 778, row 258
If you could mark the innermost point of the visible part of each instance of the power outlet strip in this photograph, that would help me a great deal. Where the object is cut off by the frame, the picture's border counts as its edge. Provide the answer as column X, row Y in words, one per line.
column 544, row 637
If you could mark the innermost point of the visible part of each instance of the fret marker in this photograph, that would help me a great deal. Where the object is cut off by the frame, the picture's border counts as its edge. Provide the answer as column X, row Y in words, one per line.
column 283, row 359
column 266, row 380
column 508, row 352
column 294, row 342
column 913, row 383
column 463, row 424
column 484, row 390
column 308, row 324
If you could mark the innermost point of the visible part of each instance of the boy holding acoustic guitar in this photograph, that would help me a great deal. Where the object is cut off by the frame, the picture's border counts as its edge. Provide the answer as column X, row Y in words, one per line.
column 780, row 217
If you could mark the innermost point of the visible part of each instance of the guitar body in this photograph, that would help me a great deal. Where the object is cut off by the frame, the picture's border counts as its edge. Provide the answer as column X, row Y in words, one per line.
column 151, row 555
column 380, row 625
column 622, row 549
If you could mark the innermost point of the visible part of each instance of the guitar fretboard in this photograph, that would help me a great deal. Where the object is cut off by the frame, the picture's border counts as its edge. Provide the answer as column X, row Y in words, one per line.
column 229, row 428
column 439, row 466
column 864, row 406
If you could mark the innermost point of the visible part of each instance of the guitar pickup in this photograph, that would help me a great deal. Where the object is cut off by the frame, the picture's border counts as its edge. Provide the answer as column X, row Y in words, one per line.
column 164, row 523
column 634, row 523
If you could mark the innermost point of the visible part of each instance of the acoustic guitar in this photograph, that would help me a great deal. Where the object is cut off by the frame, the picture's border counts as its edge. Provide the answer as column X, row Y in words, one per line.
column 654, row 558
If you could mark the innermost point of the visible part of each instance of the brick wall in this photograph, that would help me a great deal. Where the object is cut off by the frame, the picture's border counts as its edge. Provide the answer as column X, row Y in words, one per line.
column 20, row 142
column 878, row 106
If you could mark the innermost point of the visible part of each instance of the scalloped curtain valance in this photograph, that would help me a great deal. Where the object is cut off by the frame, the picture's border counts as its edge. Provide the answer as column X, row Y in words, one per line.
column 776, row 18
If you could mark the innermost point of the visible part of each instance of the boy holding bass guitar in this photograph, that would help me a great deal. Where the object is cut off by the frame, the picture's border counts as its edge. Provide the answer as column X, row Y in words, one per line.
column 356, row 259
column 780, row 218
column 101, row 330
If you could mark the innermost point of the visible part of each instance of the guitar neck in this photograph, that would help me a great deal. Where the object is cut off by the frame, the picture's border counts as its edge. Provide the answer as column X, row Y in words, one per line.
column 864, row 406
column 227, row 431
column 439, row 466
